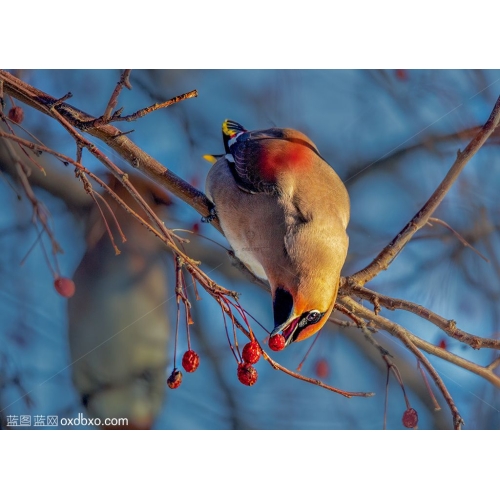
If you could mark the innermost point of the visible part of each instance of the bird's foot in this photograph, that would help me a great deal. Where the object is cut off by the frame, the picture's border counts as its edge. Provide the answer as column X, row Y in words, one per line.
column 209, row 218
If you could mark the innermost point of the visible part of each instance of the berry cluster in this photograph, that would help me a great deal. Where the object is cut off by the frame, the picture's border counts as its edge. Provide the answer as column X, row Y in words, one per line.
column 190, row 363
column 247, row 374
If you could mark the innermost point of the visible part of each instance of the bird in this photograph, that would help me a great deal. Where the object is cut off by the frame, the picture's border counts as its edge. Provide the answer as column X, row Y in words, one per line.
column 118, row 325
column 284, row 211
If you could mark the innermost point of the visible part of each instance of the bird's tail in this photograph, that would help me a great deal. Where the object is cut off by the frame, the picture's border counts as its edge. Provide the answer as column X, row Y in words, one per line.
column 212, row 158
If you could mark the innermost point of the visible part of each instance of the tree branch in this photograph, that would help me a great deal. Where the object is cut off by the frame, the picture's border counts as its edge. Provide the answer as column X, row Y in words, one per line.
column 388, row 326
column 407, row 338
column 390, row 252
column 114, row 138
column 448, row 326
column 113, row 100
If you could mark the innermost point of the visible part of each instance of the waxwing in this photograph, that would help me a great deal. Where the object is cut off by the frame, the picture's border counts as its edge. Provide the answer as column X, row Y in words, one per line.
column 284, row 211
column 118, row 326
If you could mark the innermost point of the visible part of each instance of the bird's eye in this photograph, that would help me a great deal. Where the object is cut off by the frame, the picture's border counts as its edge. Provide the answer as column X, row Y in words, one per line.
column 313, row 317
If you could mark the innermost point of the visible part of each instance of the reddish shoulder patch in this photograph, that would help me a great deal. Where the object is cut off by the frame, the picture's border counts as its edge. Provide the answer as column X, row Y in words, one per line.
column 283, row 156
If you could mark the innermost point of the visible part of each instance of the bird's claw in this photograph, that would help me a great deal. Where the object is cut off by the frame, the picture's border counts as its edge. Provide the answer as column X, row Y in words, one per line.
column 209, row 218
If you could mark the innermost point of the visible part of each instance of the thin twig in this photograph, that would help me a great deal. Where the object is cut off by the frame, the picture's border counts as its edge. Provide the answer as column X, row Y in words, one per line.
column 149, row 109
column 123, row 82
column 80, row 167
column 39, row 210
column 429, row 389
column 313, row 381
column 458, row 235
column 106, row 225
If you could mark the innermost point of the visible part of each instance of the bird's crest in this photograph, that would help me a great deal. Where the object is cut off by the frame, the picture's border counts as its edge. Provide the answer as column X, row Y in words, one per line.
column 230, row 128
column 230, row 131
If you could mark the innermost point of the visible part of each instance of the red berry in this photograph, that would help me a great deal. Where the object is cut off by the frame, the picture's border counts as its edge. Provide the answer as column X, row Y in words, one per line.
column 175, row 379
column 251, row 352
column 64, row 287
column 16, row 114
column 410, row 418
column 190, row 361
column 322, row 368
column 277, row 342
column 442, row 344
column 247, row 374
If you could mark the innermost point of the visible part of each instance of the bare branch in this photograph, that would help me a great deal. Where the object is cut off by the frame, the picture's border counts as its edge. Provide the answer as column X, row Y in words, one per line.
column 408, row 340
column 448, row 326
column 113, row 100
column 143, row 112
column 387, row 325
column 115, row 139
column 390, row 252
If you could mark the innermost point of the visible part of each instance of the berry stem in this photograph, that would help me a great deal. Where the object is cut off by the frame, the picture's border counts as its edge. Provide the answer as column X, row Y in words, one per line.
column 437, row 407
column 242, row 313
column 233, row 320
column 227, row 333
column 187, row 306
column 316, row 337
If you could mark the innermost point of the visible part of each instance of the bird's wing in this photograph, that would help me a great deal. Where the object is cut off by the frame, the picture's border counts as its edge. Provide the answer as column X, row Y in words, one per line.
column 245, row 162
column 259, row 159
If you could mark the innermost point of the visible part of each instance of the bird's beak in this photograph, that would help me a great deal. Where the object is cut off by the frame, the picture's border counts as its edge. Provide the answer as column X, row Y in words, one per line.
column 287, row 329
